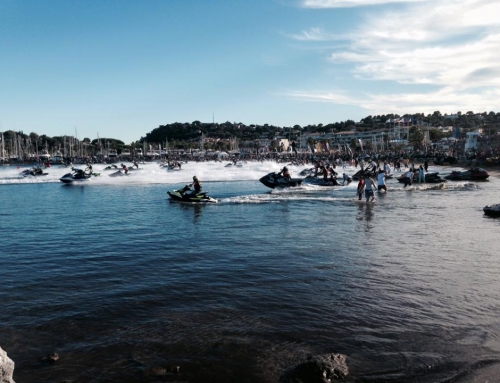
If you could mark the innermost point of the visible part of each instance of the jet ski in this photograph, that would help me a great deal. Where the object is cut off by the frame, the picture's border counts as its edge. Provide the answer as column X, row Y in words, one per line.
column 493, row 210
column 111, row 167
column 473, row 174
column 430, row 178
column 372, row 173
column 77, row 175
column 119, row 173
column 307, row 172
column 190, row 196
column 320, row 181
column 35, row 171
column 275, row 180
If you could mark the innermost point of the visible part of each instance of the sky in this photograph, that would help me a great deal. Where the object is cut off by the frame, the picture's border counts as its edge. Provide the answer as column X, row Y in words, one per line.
column 121, row 68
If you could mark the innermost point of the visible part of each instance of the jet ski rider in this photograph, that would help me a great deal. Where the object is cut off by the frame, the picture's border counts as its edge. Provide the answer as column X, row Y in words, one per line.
column 78, row 172
column 285, row 173
column 125, row 169
column 196, row 185
column 88, row 169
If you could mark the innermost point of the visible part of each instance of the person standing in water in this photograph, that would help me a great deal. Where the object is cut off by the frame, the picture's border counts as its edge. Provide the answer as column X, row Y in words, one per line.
column 369, row 190
column 361, row 187
column 421, row 175
column 381, row 181
column 408, row 178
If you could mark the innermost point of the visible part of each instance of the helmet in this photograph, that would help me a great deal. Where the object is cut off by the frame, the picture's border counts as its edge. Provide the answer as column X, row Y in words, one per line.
column 195, row 178
column 285, row 168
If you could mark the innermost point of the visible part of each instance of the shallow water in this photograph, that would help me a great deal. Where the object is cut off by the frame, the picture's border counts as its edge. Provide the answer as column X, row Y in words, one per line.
column 120, row 281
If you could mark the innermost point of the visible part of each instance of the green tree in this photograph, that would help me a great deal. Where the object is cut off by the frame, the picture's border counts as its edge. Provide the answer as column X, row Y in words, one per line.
column 416, row 137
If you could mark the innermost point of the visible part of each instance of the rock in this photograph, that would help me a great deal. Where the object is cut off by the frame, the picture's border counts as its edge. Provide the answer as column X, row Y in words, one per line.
column 6, row 368
column 51, row 358
column 319, row 369
column 159, row 371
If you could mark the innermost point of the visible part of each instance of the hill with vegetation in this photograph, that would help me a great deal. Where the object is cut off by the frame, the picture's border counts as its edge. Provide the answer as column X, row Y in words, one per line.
column 217, row 136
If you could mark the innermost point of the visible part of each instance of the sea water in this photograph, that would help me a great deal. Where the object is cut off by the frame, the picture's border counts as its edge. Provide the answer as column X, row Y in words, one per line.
column 123, row 284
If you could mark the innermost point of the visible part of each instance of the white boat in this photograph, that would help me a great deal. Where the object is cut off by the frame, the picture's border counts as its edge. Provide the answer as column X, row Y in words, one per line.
column 44, row 155
column 125, row 153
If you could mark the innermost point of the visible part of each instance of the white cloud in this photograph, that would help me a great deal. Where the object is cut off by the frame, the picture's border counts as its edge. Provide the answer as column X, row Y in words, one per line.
column 446, row 100
column 321, row 4
column 453, row 45
column 316, row 34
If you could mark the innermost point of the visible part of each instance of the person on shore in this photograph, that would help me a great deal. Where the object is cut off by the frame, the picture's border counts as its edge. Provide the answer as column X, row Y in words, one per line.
column 369, row 190
column 381, row 181
column 387, row 168
column 294, row 148
column 361, row 187
column 421, row 175
column 398, row 166
column 408, row 178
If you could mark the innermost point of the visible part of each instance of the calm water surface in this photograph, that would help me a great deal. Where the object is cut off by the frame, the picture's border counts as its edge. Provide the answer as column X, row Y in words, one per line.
column 120, row 281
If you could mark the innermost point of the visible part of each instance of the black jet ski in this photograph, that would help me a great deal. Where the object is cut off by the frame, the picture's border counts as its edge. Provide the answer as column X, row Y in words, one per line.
column 275, row 180
column 430, row 178
column 307, row 172
column 320, row 181
column 365, row 173
column 119, row 173
column 190, row 196
column 78, row 175
column 473, row 174
column 35, row 171
column 492, row 211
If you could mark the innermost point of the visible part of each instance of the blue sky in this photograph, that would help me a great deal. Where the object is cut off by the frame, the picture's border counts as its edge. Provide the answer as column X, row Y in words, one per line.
column 120, row 68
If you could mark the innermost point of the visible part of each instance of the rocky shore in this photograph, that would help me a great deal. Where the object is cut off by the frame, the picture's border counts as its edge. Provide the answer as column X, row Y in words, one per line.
column 6, row 368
